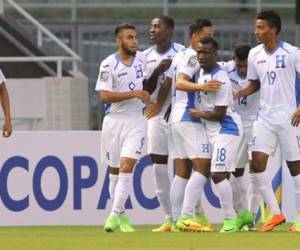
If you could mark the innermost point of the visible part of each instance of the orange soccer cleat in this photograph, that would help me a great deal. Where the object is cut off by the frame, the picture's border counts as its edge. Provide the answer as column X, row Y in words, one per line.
column 275, row 221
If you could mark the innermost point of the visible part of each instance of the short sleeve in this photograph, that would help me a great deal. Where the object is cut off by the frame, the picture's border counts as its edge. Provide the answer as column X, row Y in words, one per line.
column 2, row 78
column 297, row 60
column 251, row 72
column 105, row 79
column 189, row 65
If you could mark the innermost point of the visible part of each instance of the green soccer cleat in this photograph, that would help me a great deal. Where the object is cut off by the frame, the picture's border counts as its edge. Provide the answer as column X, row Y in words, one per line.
column 202, row 219
column 295, row 227
column 174, row 229
column 244, row 218
column 165, row 227
column 111, row 224
column 229, row 226
column 188, row 223
column 125, row 225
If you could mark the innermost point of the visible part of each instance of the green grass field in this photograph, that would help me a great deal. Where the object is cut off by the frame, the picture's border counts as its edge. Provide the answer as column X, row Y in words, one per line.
column 92, row 238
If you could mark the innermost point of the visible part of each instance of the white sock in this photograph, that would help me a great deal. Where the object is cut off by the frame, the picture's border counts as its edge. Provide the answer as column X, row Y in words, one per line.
column 297, row 196
column 254, row 195
column 266, row 191
column 192, row 192
column 237, row 197
column 177, row 195
column 198, row 208
column 113, row 180
column 243, row 189
column 162, row 188
column 225, row 196
column 121, row 193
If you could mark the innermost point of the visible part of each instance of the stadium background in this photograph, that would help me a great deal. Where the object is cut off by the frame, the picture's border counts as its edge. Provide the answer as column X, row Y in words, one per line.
column 87, row 27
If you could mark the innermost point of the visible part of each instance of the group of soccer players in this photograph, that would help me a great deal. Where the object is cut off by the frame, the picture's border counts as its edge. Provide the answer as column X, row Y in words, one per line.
column 208, row 116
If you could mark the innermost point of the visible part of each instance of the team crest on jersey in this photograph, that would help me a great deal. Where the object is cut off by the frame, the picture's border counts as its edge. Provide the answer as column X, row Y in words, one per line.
column 192, row 61
column 104, row 76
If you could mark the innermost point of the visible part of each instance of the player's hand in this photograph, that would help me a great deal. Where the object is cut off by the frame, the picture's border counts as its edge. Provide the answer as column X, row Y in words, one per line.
column 7, row 128
column 142, row 95
column 296, row 118
column 164, row 65
column 152, row 109
column 235, row 95
column 194, row 113
column 212, row 85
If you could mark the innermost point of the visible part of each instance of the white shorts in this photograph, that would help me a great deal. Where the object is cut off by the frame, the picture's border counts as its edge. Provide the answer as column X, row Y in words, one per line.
column 188, row 140
column 266, row 137
column 157, row 136
column 244, row 151
column 122, row 137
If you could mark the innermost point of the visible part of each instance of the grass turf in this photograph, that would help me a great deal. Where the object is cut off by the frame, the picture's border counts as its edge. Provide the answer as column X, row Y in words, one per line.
column 92, row 238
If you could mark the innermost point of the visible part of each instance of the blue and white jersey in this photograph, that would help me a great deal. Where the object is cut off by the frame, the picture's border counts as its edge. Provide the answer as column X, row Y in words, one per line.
column 116, row 76
column 2, row 78
column 247, row 107
column 182, row 101
column 190, row 65
column 223, row 97
column 279, row 76
column 153, row 60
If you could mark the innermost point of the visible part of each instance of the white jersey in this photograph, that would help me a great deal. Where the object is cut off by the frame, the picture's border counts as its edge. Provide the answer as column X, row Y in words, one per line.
column 116, row 76
column 190, row 65
column 222, row 97
column 2, row 78
column 278, row 73
column 247, row 106
column 153, row 60
column 182, row 101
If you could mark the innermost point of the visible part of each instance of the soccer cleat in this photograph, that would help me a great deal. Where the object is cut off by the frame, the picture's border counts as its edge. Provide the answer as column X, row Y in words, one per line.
column 202, row 219
column 229, row 226
column 249, row 228
column 295, row 227
column 276, row 220
column 165, row 227
column 188, row 223
column 111, row 224
column 174, row 229
column 125, row 225
column 244, row 218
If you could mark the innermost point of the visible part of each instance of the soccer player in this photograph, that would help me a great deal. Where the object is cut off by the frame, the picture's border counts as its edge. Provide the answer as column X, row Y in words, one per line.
column 273, row 67
column 159, row 58
column 247, row 108
column 186, row 134
column 7, row 127
column 223, row 127
column 120, row 85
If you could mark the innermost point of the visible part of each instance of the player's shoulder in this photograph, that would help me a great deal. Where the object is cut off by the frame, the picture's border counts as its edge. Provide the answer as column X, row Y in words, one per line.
column 177, row 47
column 110, row 61
column 229, row 66
column 149, row 50
column 141, row 56
column 255, row 50
column 219, row 73
column 287, row 47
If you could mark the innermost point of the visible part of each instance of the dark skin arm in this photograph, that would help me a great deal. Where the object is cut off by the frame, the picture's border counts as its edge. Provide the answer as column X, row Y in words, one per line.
column 7, row 126
column 150, row 84
column 217, row 114
column 251, row 88
column 154, row 108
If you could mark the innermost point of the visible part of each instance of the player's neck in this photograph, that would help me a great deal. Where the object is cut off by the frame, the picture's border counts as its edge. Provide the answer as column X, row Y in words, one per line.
column 127, row 59
column 211, row 68
column 163, row 47
column 271, row 45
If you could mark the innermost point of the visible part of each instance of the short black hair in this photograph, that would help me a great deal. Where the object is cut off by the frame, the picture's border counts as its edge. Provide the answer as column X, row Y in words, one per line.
column 123, row 26
column 241, row 51
column 168, row 21
column 271, row 17
column 210, row 40
column 198, row 25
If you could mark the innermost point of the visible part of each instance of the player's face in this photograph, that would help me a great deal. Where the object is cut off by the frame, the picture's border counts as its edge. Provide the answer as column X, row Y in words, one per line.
column 158, row 31
column 263, row 31
column 128, row 42
column 241, row 66
column 206, row 55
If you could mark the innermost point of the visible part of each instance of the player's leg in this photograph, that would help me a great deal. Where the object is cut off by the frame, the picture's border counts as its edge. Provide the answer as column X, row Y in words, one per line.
column 113, row 180
column 158, row 150
column 290, row 141
column 264, row 144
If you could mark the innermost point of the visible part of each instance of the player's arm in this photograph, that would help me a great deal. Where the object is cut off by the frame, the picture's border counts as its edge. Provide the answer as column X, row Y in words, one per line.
column 295, row 121
column 150, row 84
column 184, row 83
column 109, row 96
column 153, row 109
column 249, row 89
column 217, row 114
column 7, row 126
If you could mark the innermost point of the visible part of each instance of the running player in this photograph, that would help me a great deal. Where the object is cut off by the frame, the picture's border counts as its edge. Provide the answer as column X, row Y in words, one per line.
column 120, row 85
